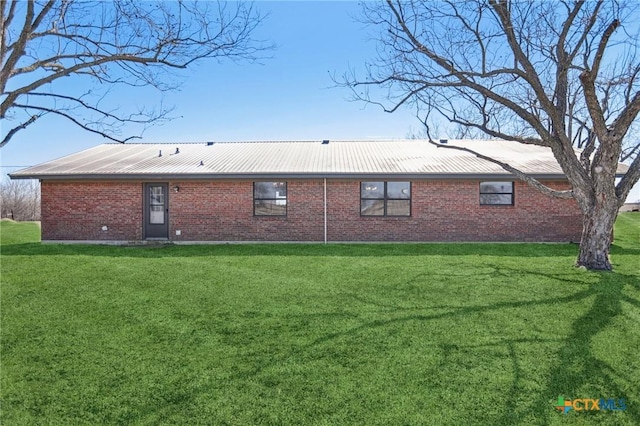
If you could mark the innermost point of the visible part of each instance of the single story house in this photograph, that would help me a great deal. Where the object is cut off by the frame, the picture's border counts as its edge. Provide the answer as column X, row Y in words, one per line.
column 331, row 191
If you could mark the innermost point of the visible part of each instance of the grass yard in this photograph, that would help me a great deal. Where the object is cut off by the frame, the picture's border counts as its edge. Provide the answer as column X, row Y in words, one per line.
column 437, row 334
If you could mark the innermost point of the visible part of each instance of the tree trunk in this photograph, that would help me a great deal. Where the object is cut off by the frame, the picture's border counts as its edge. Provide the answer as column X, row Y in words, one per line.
column 597, row 234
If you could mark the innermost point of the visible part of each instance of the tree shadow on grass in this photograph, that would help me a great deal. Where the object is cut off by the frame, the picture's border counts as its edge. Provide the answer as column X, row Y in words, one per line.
column 619, row 250
column 577, row 367
column 576, row 372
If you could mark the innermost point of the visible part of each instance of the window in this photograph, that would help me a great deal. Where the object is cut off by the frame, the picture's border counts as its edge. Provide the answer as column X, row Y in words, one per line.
column 385, row 198
column 496, row 193
column 269, row 198
column 156, row 205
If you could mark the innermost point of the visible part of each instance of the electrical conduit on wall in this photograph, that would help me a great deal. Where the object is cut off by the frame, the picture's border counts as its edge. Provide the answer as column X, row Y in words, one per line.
column 325, row 210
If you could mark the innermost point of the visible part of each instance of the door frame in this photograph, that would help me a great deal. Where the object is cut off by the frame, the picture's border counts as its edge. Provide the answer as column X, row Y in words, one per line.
column 149, row 230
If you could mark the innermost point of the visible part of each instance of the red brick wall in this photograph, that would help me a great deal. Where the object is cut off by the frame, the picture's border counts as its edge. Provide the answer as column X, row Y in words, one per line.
column 450, row 210
column 223, row 211
column 79, row 210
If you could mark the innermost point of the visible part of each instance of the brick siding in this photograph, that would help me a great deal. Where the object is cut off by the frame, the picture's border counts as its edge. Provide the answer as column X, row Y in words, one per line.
column 223, row 211
column 79, row 210
column 445, row 210
column 450, row 211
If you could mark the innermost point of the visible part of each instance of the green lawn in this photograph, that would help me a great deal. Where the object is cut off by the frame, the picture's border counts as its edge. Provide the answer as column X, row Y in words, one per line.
column 437, row 334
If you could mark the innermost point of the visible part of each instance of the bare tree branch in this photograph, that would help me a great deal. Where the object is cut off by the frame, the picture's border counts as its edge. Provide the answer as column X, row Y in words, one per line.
column 516, row 172
column 588, row 79
column 76, row 122
column 13, row 131
column 119, row 42
column 462, row 77
column 630, row 152
column 555, row 74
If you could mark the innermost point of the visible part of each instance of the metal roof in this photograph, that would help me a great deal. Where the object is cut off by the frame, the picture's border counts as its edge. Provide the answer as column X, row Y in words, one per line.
column 253, row 160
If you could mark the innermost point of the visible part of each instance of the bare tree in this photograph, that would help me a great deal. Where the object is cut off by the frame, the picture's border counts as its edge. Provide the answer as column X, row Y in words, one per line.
column 20, row 200
column 555, row 74
column 112, row 43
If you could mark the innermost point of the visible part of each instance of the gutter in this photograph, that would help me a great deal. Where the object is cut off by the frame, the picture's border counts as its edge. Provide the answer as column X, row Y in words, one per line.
column 268, row 176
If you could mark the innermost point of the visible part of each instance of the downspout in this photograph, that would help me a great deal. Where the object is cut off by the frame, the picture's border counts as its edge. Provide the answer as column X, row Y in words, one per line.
column 325, row 210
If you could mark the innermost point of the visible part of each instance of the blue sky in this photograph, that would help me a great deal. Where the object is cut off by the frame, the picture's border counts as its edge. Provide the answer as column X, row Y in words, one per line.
column 290, row 96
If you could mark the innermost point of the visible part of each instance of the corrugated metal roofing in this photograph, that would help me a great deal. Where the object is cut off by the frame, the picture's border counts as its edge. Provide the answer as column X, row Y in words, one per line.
column 415, row 158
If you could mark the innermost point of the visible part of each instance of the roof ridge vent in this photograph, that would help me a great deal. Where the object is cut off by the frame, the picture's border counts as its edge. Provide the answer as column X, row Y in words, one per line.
column 325, row 142
column 210, row 143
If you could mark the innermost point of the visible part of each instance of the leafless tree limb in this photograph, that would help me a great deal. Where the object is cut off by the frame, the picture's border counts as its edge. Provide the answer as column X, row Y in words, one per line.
column 516, row 172
column 557, row 74
column 16, row 129
column 120, row 42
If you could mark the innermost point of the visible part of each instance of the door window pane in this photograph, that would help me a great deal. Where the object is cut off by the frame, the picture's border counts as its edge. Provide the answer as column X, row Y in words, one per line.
column 156, row 215
column 156, row 205
column 157, row 195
